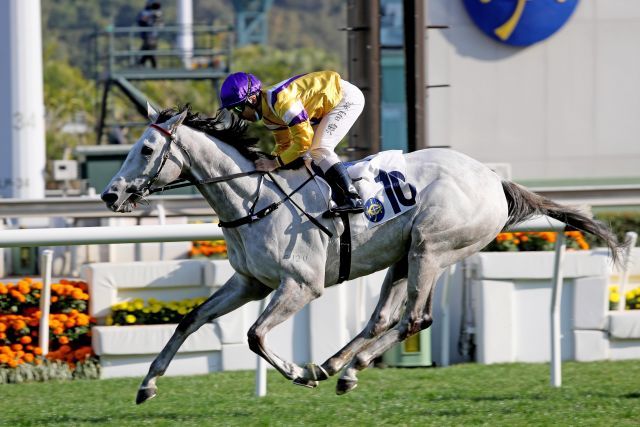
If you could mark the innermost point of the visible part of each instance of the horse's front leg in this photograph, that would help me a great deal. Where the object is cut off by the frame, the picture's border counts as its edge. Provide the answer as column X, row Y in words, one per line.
column 236, row 292
column 288, row 299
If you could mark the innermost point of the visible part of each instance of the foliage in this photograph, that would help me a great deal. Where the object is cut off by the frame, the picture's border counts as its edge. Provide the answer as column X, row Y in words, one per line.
column 69, row 325
column 594, row 394
column 154, row 312
column 535, row 241
column 208, row 249
column 620, row 222
column 71, row 94
column 49, row 370
column 69, row 98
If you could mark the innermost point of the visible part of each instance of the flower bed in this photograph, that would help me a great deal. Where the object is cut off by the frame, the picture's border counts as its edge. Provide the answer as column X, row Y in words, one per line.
column 69, row 331
column 535, row 241
column 154, row 312
column 208, row 249
column 632, row 298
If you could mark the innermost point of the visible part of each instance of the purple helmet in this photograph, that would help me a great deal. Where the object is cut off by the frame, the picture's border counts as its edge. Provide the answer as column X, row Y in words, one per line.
column 237, row 87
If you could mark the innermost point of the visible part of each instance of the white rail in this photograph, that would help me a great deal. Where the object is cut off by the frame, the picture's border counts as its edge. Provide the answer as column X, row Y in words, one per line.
column 540, row 223
column 631, row 238
column 99, row 235
column 175, row 233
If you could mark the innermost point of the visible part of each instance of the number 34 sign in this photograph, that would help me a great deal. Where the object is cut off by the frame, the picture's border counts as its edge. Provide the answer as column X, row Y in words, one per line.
column 520, row 22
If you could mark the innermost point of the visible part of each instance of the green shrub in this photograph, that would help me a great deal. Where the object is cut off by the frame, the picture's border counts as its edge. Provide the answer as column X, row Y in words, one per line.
column 619, row 222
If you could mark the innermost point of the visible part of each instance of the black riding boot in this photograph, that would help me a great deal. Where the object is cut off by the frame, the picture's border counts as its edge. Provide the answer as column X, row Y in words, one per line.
column 347, row 196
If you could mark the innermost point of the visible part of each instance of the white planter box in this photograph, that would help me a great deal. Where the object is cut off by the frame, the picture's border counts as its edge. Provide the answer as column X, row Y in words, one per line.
column 511, row 295
column 129, row 350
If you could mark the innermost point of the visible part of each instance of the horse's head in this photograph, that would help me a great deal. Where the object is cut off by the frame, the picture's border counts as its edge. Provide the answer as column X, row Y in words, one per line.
column 154, row 160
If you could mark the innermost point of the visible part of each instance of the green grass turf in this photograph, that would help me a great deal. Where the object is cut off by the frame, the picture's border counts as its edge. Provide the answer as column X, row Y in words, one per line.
column 601, row 394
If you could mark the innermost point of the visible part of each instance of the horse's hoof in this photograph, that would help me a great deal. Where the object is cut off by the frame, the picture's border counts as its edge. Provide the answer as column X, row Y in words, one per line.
column 316, row 372
column 345, row 386
column 305, row 382
column 145, row 394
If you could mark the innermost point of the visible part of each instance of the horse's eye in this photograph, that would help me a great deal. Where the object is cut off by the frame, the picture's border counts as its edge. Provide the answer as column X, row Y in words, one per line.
column 147, row 151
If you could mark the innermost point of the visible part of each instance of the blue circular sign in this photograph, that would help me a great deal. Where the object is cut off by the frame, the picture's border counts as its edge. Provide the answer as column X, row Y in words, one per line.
column 520, row 22
column 374, row 210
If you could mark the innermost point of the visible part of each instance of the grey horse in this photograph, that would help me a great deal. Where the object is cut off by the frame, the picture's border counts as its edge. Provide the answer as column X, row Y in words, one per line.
column 461, row 206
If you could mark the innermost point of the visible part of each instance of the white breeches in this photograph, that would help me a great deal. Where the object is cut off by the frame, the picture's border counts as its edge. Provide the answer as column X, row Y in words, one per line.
column 335, row 125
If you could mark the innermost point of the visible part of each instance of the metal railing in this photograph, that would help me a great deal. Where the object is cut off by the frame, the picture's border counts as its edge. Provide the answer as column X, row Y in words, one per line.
column 210, row 54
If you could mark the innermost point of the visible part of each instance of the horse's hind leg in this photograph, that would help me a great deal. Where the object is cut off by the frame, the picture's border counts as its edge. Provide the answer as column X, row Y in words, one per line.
column 422, row 276
column 236, row 292
column 386, row 314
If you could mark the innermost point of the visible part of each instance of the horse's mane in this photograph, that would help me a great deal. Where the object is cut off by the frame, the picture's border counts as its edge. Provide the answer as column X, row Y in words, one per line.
column 224, row 126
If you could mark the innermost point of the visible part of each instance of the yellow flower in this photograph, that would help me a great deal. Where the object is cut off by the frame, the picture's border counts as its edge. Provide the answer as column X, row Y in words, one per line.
column 614, row 288
column 614, row 297
column 109, row 321
column 138, row 304
column 130, row 318
column 182, row 311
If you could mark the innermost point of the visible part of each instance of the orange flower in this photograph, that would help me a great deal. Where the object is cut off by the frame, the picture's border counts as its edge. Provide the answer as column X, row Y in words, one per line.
column 37, row 351
column 12, row 364
column 69, row 323
column 4, row 358
column 24, row 287
column 54, row 298
column 63, row 340
column 29, row 357
column 17, row 295
column 3, row 327
column 16, row 347
column 19, row 324
column 25, row 340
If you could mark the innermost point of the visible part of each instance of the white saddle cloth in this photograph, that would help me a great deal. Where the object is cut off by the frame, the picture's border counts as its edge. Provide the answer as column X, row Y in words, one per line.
column 380, row 180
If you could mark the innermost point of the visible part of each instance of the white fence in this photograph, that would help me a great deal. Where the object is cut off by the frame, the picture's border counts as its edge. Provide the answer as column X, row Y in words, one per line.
column 134, row 234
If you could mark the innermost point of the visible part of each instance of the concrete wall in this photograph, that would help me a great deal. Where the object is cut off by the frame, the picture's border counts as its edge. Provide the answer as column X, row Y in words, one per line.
column 566, row 107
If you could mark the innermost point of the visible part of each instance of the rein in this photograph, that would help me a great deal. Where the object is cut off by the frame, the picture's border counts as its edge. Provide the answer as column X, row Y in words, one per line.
column 253, row 216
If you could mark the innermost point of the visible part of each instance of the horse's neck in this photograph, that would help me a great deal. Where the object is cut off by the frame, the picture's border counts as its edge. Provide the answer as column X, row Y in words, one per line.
column 212, row 158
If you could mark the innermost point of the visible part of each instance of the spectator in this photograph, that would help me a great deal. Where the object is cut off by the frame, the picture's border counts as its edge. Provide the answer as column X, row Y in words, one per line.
column 149, row 17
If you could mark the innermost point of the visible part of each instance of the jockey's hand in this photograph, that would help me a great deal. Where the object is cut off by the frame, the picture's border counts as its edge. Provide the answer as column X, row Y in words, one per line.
column 266, row 165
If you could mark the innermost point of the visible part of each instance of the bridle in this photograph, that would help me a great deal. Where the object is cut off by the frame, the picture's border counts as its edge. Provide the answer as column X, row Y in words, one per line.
column 146, row 189
column 185, row 182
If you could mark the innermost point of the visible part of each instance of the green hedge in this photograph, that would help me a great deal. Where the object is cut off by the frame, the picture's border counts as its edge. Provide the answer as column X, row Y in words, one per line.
column 620, row 223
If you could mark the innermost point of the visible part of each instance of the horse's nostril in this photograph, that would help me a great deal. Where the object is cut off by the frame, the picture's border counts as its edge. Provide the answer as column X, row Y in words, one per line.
column 109, row 198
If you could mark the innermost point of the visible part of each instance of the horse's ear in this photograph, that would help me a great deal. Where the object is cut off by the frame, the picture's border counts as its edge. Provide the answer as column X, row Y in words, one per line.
column 151, row 113
column 176, row 120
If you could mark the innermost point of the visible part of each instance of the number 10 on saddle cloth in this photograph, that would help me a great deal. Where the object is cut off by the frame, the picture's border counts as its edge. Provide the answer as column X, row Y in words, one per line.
column 381, row 182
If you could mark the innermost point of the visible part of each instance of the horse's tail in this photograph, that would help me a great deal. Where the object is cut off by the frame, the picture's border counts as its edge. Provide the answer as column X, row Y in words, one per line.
column 524, row 204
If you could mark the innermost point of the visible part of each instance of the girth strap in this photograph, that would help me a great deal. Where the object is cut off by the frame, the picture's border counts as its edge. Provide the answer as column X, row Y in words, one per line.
column 345, row 249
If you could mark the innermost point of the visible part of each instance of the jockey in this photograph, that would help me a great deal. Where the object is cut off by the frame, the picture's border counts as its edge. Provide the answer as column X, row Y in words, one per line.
column 308, row 113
